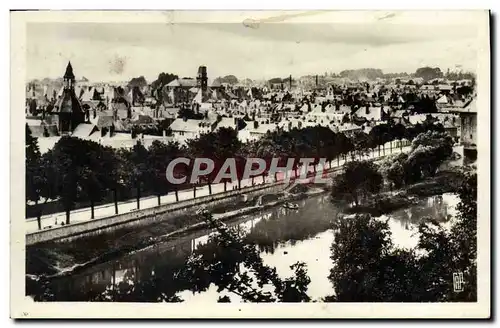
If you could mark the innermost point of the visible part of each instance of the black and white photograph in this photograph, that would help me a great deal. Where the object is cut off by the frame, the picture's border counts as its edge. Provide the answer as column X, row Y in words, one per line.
column 213, row 160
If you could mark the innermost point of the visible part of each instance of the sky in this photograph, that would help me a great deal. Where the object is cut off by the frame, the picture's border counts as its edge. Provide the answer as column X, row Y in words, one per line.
column 258, row 45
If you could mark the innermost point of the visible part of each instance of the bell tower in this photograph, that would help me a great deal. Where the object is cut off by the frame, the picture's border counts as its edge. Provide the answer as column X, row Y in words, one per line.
column 202, row 79
column 69, row 77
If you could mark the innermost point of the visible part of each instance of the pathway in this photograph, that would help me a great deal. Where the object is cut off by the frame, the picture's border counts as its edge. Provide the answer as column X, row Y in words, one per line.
column 106, row 210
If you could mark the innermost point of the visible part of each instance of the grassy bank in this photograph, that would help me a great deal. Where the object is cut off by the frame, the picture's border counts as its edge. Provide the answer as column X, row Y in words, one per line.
column 387, row 202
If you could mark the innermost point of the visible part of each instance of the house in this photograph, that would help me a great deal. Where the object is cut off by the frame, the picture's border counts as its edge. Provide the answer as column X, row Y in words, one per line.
column 84, row 130
column 468, row 125
column 185, row 129
column 255, row 130
column 346, row 128
column 371, row 114
column 288, row 124
column 227, row 122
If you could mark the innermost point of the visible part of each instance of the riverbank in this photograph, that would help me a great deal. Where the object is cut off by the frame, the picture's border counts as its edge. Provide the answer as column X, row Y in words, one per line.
column 383, row 203
column 64, row 258
column 282, row 236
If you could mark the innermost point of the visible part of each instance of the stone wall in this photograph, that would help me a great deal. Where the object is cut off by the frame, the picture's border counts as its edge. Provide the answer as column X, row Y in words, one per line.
column 148, row 216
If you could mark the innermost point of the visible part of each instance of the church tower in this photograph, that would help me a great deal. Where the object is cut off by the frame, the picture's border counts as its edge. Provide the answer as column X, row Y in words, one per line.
column 69, row 77
column 202, row 82
column 68, row 112
column 202, row 78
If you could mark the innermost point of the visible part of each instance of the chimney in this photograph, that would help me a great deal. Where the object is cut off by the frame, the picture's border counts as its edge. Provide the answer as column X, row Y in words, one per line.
column 367, row 109
column 316, row 80
column 290, row 81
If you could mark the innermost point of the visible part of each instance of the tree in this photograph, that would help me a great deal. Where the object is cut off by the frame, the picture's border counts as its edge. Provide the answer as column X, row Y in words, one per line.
column 230, row 79
column 137, row 82
column 34, row 180
column 429, row 151
column 455, row 251
column 78, row 170
column 157, row 85
column 394, row 169
column 360, row 142
column 218, row 146
column 379, row 136
column 64, row 160
column 140, row 173
column 237, row 267
column 275, row 80
column 398, row 131
column 428, row 73
column 367, row 267
column 160, row 155
column 357, row 182
column 97, row 175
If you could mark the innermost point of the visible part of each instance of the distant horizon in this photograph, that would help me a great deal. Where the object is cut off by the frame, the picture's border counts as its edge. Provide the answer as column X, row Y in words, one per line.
column 403, row 42
column 149, row 81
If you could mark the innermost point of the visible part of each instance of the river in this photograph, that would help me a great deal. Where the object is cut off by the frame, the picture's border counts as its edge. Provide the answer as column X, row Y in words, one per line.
column 283, row 236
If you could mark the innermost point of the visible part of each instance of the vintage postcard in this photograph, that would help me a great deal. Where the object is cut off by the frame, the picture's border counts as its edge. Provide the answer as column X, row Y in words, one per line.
column 264, row 164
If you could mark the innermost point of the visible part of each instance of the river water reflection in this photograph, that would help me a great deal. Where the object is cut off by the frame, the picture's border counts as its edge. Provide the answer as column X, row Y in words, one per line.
column 283, row 236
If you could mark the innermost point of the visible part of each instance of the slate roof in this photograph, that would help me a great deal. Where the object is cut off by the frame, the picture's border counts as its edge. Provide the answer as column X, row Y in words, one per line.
column 84, row 130
column 374, row 113
column 69, row 72
column 68, row 103
column 182, row 83
column 105, row 122
column 185, row 125
column 144, row 119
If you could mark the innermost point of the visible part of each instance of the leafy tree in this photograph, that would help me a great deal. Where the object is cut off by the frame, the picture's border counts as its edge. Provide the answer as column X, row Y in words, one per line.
column 398, row 132
column 237, row 267
column 137, row 82
column 34, row 178
column 366, row 265
column 357, row 182
column 429, row 151
column 428, row 73
column 98, row 174
column 394, row 169
column 218, row 146
column 360, row 142
column 379, row 135
column 447, row 252
column 160, row 155
column 78, row 170
column 231, row 79
column 157, row 85
column 140, row 172
column 275, row 80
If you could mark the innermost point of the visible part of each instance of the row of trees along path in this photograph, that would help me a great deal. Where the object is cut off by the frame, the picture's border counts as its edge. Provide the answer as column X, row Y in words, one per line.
column 81, row 174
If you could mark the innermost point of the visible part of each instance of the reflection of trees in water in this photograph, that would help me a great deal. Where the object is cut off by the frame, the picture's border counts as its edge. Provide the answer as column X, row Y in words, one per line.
column 434, row 207
column 285, row 225
column 153, row 275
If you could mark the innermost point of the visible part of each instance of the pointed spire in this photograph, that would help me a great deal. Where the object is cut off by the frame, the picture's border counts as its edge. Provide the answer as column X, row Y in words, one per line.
column 69, row 72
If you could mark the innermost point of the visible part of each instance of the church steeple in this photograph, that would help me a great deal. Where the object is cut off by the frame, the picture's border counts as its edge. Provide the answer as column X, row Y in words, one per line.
column 69, row 77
